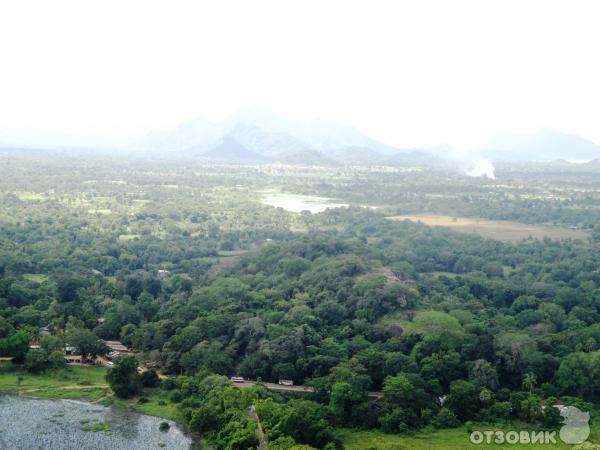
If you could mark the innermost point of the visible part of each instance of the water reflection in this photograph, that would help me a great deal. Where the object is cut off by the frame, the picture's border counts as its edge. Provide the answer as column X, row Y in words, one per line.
column 298, row 203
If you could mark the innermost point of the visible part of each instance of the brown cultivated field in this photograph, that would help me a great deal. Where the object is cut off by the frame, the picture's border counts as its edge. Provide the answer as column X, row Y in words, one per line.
column 502, row 230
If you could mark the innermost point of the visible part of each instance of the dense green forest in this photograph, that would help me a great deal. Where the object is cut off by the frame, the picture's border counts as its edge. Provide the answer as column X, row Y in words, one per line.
column 185, row 265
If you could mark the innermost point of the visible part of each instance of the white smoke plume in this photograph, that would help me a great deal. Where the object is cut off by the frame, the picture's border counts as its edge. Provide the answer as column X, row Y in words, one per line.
column 482, row 167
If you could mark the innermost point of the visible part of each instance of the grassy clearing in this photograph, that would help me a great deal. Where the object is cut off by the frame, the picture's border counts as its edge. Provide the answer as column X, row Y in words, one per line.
column 30, row 196
column 157, row 405
column 71, row 382
column 501, row 230
column 35, row 277
column 90, row 394
column 453, row 439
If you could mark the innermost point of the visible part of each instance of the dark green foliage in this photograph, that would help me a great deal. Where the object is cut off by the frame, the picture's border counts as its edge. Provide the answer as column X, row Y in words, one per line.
column 36, row 360
column 305, row 421
column 56, row 360
column 463, row 399
column 445, row 418
column 15, row 345
column 199, row 280
column 149, row 378
column 85, row 342
column 123, row 377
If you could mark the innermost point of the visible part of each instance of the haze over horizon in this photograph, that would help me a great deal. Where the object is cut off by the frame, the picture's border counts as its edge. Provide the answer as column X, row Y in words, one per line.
column 407, row 74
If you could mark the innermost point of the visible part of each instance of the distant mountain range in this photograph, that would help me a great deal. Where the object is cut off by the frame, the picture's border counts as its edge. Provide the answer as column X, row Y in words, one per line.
column 258, row 135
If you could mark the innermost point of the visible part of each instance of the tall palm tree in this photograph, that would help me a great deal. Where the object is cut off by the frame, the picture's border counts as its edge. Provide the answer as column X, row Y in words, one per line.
column 529, row 382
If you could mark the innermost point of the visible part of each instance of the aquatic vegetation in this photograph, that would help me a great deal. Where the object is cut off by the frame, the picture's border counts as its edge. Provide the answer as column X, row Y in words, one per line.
column 71, row 424
column 106, row 427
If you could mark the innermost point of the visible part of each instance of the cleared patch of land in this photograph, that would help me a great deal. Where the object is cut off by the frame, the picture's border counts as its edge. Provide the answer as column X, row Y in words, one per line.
column 35, row 277
column 128, row 237
column 452, row 439
column 501, row 230
column 87, row 383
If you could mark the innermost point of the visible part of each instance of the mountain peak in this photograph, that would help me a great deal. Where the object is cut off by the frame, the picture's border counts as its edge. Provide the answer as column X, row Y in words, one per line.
column 230, row 150
column 263, row 132
column 545, row 144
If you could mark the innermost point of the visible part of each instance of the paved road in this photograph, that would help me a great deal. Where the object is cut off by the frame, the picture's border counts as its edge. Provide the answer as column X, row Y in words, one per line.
column 275, row 386
column 281, row 387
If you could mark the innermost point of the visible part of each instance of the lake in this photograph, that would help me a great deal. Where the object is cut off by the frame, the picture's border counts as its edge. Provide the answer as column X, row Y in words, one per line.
column 297, row 203
column 28, row 423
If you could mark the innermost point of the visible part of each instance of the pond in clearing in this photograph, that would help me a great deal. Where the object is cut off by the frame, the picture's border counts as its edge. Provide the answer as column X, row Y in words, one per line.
column 28, row 423
column 297, row 203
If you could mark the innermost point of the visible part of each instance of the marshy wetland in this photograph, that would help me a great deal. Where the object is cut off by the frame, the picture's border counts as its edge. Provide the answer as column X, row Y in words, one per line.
column 29, row 423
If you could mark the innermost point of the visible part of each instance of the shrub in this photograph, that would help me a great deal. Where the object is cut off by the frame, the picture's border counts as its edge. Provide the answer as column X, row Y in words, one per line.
column 164, row 426
column 176, row 396
column 169, row 384
column 500, row 411
column 124, row 378
column 394, row 421
column 445, row 419
column 150, row 379
column 8, row 365
column 36, row 360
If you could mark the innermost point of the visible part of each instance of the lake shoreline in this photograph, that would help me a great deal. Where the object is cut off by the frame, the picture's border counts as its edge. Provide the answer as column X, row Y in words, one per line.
column 93, row 424
column 87, row 384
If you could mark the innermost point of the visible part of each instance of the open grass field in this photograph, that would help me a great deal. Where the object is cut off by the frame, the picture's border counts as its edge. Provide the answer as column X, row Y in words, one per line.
column 84, row 383
column 78, row 379
column 156, row 404
column 30, row 196
column 80, row 382
column 452, row 439
column 501, row 230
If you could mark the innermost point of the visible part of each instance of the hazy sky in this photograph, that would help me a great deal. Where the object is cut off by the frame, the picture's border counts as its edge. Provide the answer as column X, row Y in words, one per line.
column 408, row 72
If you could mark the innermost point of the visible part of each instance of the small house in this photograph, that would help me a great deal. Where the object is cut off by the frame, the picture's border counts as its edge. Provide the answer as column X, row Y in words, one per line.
column 69, row 349
column 115, row 349
column 5, row 360
column 73, row 359
column 45, row 331
column 560, row 405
